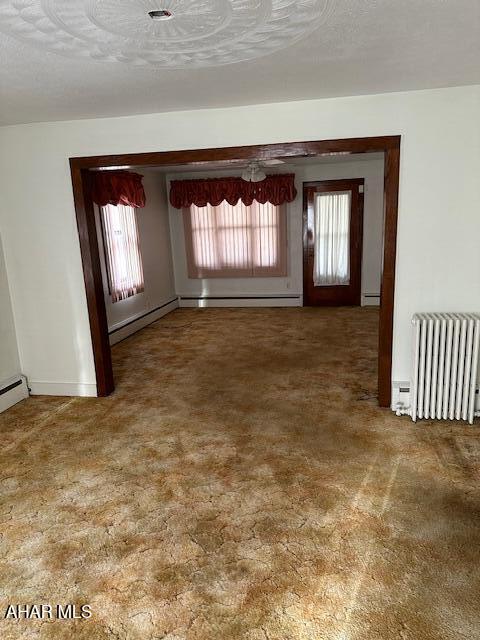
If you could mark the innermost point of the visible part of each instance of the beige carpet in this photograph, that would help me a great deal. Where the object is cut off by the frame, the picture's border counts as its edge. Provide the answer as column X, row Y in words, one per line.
column 241, row 483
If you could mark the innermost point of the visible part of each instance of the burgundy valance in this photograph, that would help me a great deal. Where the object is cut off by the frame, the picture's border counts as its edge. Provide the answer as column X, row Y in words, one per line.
column 118, row 187
column 276, row 189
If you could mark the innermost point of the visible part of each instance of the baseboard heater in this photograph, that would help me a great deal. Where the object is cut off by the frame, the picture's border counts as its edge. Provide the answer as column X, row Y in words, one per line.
column 445, row 367
column 130, row 326
column 370, row 300
column 12, row 391
column 241, row 301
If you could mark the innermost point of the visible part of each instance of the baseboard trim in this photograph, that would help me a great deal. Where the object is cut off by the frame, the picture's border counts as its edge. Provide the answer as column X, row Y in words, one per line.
column 241, row 301
column 128, row 328
column 12, row 391
column 83, row 390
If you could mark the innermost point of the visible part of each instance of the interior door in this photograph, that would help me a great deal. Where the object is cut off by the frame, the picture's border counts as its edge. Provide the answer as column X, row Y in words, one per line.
column 332, row 242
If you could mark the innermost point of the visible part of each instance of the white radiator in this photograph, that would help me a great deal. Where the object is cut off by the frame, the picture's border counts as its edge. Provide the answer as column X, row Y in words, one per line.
column 445, row 365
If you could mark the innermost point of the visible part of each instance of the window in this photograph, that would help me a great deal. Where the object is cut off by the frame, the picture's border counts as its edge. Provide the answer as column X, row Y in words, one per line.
column 332, row 239
column 236, row 240
column 122, row 250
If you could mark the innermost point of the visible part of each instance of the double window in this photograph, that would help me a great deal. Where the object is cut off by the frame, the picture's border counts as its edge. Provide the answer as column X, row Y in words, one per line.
column 236, row 240
column 122, row 251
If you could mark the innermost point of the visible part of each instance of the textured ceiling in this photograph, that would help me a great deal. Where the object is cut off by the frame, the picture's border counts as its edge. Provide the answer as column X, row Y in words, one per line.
column 310, row 49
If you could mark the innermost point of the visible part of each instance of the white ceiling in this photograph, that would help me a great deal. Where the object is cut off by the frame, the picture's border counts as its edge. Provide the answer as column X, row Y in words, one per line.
column 357, row 47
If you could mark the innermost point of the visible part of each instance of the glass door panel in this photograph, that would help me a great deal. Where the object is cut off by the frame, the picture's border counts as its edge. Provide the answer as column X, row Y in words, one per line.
column 332, row 239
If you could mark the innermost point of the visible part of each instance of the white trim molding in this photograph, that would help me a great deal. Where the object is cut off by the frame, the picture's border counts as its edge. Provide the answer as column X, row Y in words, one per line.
column 17, row 392
column 80, row 389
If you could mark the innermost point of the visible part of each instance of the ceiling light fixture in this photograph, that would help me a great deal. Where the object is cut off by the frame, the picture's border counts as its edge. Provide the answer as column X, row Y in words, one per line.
column 253, row 173
column 160, row 14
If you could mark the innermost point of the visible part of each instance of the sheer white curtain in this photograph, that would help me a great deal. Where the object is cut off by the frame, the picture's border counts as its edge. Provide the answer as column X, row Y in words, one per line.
column 122, row 250
column 332, row 239
column 268, row 248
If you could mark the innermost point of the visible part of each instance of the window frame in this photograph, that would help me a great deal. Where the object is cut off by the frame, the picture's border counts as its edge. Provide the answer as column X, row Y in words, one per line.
column 196, row 272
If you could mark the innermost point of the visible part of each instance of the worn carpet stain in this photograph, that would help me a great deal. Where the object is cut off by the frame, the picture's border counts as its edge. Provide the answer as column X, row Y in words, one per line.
column 241, row 483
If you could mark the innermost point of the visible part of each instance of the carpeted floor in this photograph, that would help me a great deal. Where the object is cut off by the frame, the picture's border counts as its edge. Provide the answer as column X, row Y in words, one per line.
column 241, row 483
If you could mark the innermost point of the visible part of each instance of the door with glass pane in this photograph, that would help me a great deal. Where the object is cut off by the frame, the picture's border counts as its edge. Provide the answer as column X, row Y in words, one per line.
column 332, row 242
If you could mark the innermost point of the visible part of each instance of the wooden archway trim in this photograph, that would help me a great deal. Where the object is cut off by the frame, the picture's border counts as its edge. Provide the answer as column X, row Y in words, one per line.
column 80, row 167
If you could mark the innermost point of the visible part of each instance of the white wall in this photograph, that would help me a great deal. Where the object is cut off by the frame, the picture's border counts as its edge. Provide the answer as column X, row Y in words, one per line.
column 154, row 239
column 292, row 284
column 439, row 225
column 9, row 358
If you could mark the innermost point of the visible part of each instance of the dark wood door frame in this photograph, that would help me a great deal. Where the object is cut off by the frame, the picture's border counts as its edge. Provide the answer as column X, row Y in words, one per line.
column 87, row 232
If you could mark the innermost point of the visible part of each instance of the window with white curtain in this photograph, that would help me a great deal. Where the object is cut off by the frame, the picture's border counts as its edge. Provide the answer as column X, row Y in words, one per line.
column 236, row 240
column 122, row 250
column 332, row 239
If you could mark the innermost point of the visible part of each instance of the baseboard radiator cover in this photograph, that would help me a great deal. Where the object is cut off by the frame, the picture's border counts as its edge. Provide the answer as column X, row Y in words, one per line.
column 128, row 327
column 295, row 300
column 12, row 391
column 370, row 300
column 444, row 383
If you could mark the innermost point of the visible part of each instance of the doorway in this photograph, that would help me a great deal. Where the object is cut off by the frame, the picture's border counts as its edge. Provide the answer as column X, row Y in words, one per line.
column 81, row 180
column 332, row 242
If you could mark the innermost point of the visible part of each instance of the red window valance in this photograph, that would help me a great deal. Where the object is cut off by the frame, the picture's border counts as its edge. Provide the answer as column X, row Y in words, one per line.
column 276, row 189
column 118, row 187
